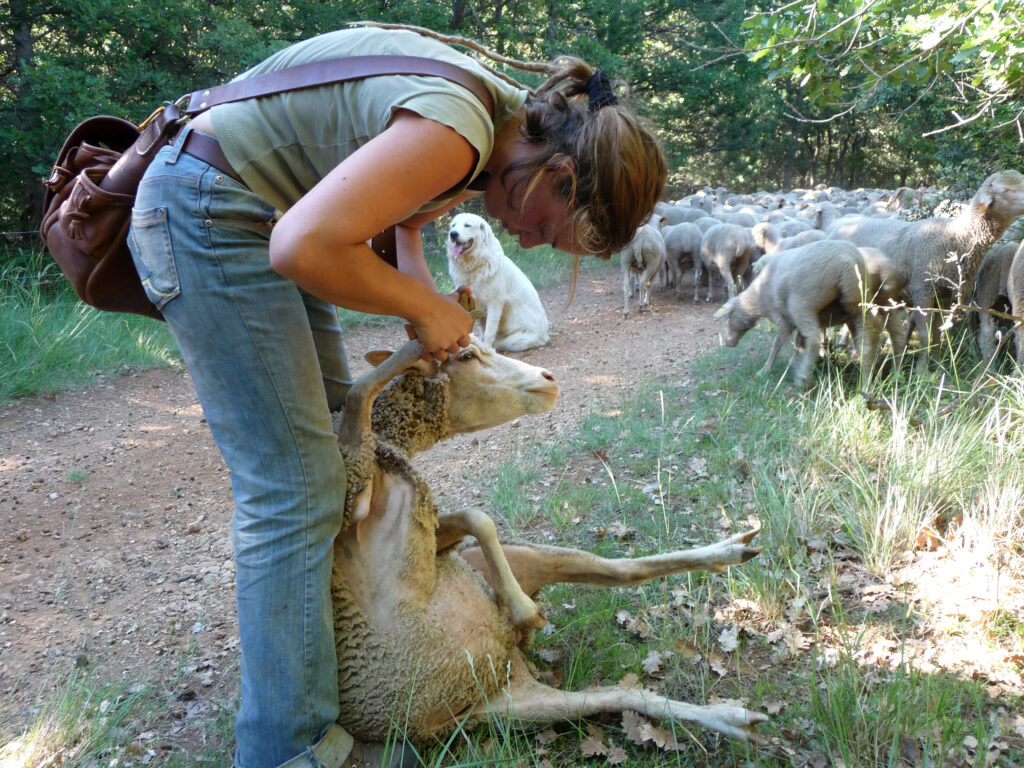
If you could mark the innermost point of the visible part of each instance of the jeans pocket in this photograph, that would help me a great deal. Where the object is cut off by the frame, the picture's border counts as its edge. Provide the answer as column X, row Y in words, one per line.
column 150, row 241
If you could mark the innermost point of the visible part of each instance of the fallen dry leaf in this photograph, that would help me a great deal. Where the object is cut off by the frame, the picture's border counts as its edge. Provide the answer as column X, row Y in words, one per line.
column 616, row 756
column 728, row 638
column 633, row 724
column 629, row 680
column 593, row 744
column 652, row 664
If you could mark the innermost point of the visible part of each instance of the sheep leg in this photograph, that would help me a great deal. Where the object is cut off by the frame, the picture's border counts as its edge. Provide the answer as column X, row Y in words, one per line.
column 812, row 349
column 866, row 331
column 625, row 285
column 920, row 322
column 728, row 282
column 897, row 330
column 535, row 565
column 785, row 331
column 1019, row 333
column 452, row 526
column 986, row 336
column 532, row 701
column 711, row 279
column 646, row 281
column 698, row 270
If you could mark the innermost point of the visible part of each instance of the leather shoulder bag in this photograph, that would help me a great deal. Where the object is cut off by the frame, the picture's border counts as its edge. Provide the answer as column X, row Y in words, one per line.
column 90, row 192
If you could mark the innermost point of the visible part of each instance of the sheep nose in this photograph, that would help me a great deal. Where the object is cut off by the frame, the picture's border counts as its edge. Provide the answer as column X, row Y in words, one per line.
column 548, row 375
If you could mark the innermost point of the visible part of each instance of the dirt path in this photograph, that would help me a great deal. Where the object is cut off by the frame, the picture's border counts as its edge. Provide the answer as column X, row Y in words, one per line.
column 115, row 504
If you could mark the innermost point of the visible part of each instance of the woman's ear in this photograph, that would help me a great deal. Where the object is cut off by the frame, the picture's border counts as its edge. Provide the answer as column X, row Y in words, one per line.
column 563, row 167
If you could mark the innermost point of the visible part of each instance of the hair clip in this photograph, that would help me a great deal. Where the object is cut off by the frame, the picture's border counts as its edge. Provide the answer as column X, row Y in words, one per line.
column 599, row 91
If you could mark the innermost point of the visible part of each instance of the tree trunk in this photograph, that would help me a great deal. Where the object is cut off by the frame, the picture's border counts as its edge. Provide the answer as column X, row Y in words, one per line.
column 458, row 14
column 28, row 120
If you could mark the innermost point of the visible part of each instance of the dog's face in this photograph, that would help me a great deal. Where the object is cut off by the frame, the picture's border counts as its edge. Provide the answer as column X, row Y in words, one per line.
column 466, row 232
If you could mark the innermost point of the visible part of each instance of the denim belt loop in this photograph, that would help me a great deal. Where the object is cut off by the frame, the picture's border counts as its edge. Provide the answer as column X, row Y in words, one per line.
column 179, row 142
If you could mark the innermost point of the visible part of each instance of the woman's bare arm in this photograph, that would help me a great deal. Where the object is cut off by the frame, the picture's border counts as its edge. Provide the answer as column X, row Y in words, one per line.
column 321, row 242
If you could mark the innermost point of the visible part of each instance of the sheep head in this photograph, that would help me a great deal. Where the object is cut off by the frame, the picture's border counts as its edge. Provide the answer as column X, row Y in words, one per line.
column 737, row 322
column 475, row 389
column 1000, row 198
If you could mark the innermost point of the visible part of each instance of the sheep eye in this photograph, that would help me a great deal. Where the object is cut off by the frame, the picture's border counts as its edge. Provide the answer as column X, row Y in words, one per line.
column 466, row 355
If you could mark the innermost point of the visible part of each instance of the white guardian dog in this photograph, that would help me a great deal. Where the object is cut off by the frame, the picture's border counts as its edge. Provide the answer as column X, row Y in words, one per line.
column 515, row 319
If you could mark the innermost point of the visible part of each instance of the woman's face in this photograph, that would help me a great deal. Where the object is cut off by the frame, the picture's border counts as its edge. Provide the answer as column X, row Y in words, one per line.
column 543, row 219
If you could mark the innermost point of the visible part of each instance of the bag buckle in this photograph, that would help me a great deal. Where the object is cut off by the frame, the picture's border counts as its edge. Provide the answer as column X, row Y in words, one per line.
column 181, row 102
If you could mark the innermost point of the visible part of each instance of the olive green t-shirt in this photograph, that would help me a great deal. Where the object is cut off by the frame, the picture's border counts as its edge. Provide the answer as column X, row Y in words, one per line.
column 282, row 145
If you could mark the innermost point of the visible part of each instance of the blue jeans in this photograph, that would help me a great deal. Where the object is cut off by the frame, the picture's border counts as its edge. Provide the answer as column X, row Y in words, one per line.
column 268, row 363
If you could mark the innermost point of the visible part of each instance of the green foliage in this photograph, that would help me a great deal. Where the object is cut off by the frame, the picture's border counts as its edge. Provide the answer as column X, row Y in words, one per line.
column 942, row 63
column 744, row 122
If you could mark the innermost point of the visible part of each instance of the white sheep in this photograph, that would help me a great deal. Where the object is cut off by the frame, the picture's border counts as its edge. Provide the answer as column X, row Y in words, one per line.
column 805, row 290
column 728, row 249
column 991, row 292
column 704, row 223
column 682, row 249
column 1015, row 290
column 769, row 237
column 421, row 638
column 940, row 256
column 643, row 256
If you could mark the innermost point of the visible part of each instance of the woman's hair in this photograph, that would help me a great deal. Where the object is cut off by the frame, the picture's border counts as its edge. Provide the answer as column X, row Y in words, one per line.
column 618, row 169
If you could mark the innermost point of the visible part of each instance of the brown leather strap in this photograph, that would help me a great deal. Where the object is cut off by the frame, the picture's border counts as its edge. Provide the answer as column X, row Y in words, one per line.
column 336, row 71
column 207, row 149
column 385, row 245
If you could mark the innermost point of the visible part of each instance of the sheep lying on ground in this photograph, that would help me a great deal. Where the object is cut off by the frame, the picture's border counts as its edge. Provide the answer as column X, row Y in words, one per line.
column 807, row 289
column 940, row 256
column 643, row 256
column 990, row 292
column 770, row 240
column 430, row 637
column 728, row 249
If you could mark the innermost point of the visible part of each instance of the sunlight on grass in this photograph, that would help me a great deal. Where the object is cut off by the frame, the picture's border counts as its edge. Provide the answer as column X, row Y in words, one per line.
column 52, row 344
column 83, row 719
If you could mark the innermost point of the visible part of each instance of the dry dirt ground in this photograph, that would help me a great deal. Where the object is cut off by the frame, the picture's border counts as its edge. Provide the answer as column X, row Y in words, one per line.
column 115, row 505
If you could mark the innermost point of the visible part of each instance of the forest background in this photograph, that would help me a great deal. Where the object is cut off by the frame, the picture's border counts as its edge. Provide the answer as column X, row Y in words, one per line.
column 747, row 95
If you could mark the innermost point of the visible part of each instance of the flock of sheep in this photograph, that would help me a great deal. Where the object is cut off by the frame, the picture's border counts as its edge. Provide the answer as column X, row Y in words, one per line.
column 811, row 259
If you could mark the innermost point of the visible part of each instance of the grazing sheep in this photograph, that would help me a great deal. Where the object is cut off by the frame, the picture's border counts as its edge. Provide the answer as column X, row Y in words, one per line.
column 514, row 318
column 728, row 248
column 682, row 249
column 704, row 223
column 789, row 227
column 939, row 256
column 422, row 640
column 807, row 289
column 1015, row 290
column 740, row 218
column 769, row 238
column 643, row 256
column 991, row 292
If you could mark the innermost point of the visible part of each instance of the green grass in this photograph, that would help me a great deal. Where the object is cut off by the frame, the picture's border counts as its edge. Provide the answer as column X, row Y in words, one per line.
column 842, row 493
column 845, row 490
column 51, row 342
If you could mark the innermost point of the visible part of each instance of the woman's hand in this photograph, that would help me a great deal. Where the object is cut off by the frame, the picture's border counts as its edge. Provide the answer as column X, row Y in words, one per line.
column 444, row 330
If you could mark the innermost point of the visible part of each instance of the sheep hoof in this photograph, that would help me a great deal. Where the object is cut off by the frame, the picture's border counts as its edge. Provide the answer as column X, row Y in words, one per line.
column 527, row 615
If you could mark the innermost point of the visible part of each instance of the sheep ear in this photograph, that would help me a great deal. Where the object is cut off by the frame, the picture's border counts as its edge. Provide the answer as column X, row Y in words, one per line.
column 423, row 367
column 724, row 309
